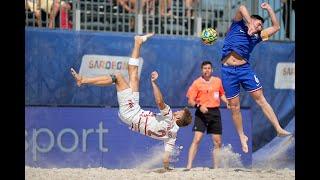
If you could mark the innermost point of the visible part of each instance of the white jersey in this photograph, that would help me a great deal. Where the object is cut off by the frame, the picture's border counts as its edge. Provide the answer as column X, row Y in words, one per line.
column 158, row 126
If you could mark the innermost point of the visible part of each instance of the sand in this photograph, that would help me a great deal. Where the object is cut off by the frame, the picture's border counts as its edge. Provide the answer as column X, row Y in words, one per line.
column 154, row 174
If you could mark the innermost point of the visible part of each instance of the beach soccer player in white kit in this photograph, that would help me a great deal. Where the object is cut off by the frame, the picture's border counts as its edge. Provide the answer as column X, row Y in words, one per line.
column 163, row 126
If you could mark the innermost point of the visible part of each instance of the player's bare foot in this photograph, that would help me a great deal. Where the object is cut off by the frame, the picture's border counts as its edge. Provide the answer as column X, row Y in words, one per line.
column 76, row 76
column 283, row 133
column 143, row 38
column 244, row 141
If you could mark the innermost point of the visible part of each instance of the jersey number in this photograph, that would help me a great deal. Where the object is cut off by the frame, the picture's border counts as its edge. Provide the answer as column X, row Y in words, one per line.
column 162, row 133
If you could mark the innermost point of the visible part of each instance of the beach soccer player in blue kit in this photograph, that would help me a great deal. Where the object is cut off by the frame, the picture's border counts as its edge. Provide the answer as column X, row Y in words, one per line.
column 245, row 32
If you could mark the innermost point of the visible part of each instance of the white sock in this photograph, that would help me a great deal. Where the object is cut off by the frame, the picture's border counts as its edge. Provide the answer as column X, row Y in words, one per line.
column 133, row 62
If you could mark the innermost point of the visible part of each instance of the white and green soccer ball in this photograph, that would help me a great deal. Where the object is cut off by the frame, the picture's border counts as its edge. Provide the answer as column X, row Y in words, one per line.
column 209, row 36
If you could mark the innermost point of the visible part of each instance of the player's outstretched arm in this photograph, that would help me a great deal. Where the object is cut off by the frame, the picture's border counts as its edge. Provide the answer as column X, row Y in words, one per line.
column 275, row 24
column 156, row 91
column 242, row 13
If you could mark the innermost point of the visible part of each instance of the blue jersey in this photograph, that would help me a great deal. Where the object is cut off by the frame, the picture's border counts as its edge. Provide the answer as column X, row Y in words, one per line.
column 238, row 40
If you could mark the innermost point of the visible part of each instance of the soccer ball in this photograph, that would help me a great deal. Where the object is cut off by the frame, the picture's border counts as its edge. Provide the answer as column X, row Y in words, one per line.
column 209, row 36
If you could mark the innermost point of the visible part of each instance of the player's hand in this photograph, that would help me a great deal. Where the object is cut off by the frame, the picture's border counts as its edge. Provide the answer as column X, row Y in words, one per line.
column 154, row 76
column 166, row 166
column 203, row 109
column 164, row 170
column 168, row 169
column 265, row 5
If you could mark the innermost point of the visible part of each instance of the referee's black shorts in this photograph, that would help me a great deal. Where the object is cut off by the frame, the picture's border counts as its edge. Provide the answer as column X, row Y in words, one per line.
column 210, row 121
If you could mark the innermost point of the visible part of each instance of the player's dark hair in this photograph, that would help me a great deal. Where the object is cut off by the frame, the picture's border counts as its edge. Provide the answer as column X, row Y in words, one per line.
column 255, row 16
column 205, row 63
column 186, row 118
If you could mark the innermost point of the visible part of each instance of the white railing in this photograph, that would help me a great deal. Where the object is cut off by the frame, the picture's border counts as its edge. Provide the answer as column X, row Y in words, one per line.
column 168, row 17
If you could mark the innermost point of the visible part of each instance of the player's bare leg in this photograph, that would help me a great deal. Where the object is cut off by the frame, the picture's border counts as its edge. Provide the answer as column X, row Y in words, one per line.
column 134, row 61
column 194, row 148
column 107, row 80
column 237, row 119
column 216, row 138
column 268, row 112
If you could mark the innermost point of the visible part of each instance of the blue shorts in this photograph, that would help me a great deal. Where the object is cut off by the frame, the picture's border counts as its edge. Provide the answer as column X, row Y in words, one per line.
column 233, row 76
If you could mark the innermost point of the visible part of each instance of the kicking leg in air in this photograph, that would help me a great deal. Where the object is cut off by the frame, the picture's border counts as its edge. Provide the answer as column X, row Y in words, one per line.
column 118, row 79
column 134, row 61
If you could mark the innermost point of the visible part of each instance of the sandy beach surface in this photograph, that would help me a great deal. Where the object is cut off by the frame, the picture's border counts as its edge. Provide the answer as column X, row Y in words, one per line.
column 155, row 174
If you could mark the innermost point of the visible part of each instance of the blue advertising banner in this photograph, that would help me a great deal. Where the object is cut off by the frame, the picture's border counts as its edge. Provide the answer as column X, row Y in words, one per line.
column 96, row 137
column 49, row 55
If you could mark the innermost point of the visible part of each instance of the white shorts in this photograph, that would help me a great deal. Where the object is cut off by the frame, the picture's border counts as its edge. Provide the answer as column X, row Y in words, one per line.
column 128, row 105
